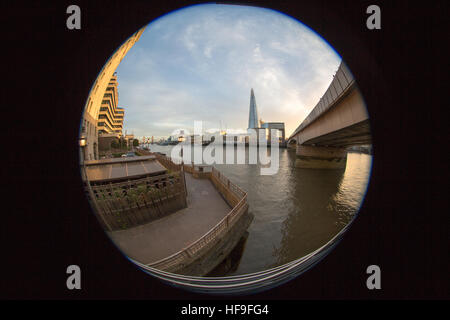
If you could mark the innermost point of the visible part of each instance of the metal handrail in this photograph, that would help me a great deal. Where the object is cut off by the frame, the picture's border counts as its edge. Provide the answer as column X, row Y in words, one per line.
column 235, row 282
column 224, row 224
column 246, row 282
column 221, row 223
column 215, row 171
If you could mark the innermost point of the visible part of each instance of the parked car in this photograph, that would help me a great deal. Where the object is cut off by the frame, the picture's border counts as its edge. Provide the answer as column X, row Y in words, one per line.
column 129, row 154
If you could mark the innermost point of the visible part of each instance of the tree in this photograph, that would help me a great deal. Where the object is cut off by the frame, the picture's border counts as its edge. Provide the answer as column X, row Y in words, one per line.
column 123, row 143
column 114, row 144
column 135, row 142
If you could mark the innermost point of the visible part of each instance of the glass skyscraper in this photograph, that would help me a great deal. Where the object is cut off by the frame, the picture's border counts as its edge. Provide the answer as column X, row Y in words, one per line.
column 253, row 115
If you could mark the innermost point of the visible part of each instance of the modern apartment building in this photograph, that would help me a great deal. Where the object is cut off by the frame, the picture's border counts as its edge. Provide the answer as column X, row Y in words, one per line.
column 89, row 124
column 110, row 117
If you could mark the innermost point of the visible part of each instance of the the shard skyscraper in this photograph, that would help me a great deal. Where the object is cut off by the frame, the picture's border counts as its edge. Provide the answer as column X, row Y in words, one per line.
column 253, row 115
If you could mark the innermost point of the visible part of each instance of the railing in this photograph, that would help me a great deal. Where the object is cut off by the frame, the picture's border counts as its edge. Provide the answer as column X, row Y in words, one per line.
column 248, row 283
column 189, row 168
column 126, row 204
column 167, row 162
column 205, row 242
column 343, row 80
column 194, row 250
column 233, row 187
column 154, row 181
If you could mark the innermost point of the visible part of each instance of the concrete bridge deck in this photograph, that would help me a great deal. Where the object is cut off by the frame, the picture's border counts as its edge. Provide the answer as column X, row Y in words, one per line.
column 338, row 121
column 161, row 238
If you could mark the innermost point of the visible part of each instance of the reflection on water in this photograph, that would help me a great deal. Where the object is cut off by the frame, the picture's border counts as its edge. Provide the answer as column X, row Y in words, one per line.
column 230, row 264
column 296, row 210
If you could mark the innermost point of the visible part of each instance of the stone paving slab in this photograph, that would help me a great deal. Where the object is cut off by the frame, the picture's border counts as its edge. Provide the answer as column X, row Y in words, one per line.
column 160, row 238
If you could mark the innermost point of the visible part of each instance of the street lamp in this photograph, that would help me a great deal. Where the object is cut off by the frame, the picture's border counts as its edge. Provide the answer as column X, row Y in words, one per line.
column 83, row 141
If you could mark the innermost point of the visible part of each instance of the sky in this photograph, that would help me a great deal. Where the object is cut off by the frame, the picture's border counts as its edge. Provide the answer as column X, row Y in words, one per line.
column 200, row 63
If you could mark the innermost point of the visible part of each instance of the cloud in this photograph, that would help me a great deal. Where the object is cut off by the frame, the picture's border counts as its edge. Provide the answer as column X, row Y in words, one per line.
column 200, row 63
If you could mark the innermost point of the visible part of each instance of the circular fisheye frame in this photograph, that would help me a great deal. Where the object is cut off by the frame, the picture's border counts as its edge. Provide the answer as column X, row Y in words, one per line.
column 237, row 154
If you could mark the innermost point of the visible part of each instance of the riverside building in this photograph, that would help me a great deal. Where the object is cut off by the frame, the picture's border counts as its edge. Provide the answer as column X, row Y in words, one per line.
column 110, row 118
column 89, row 130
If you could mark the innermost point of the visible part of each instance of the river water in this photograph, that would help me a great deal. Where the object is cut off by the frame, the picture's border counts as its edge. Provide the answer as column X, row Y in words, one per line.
column 295, row 210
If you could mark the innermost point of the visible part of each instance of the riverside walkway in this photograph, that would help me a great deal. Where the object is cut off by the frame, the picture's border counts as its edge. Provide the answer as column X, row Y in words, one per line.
column 161, row 238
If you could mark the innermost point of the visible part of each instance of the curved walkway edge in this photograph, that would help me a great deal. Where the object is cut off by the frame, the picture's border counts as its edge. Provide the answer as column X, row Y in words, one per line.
column 159, row 239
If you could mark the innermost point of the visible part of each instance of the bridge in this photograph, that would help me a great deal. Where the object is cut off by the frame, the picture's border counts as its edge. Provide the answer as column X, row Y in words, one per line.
column 338, row 121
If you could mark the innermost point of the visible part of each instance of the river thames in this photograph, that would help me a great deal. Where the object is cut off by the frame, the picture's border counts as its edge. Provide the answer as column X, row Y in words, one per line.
column 295, row 210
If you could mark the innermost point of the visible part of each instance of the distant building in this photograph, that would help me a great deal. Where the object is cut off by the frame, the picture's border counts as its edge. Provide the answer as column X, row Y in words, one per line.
column 274, row 125
column 253, row 113
column 254, row 122
column 129, row 139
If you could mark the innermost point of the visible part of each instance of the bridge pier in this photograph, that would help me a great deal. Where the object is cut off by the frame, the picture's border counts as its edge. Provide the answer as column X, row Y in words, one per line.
column 312, row 157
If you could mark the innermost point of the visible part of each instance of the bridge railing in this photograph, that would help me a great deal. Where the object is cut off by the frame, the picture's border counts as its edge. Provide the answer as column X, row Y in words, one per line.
column 342, row 81
column 236, row 197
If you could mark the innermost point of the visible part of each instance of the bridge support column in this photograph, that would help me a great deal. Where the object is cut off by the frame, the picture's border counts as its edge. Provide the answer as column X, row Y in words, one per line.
column 291, row 144
column 310, row 157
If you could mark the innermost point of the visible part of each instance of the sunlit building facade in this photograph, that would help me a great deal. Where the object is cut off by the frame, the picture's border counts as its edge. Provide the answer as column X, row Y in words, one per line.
column 110, row 118
column 89, row 125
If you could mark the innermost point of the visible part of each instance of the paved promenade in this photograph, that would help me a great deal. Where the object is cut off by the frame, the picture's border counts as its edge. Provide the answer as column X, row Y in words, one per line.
column 161, row 238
